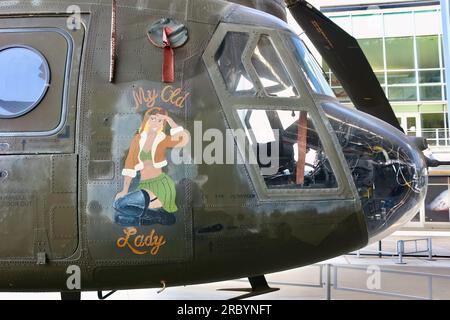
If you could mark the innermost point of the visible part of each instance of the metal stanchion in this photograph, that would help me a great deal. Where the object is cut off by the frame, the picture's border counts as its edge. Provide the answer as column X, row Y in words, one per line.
column 327, row 283
column 400, row 251
column 430, row 250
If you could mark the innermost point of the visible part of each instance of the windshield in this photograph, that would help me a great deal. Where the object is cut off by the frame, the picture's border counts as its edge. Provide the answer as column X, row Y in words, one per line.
column 389, row 173
column 311, row 69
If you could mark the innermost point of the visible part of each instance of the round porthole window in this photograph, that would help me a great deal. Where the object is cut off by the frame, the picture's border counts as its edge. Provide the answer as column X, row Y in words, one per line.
column 24, row 80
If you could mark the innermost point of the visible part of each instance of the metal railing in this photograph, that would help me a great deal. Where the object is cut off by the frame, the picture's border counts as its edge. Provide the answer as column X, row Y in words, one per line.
column 438, row 137
column 335, row 285
column 402, row 251
column 329, row 281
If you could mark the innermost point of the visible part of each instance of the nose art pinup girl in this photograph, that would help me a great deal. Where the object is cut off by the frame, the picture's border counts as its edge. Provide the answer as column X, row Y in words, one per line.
column 154, row 202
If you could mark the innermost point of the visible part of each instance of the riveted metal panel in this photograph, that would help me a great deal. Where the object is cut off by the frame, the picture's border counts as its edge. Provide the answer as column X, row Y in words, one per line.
column 36, row 215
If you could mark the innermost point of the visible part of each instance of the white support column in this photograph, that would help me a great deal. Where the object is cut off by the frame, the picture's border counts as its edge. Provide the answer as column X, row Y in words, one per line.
column 445, row 10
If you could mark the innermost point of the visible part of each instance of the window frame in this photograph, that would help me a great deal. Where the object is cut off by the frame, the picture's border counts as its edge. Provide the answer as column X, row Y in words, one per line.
column 66, row 85
column 305, row 101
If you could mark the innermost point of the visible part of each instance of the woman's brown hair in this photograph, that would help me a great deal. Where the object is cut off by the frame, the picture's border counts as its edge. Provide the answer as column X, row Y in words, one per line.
column 151, row 112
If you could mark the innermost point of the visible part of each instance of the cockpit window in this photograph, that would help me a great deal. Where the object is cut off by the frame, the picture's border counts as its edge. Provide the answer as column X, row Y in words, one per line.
column 287, row 149
column 271, row 71
column 264, row 72
column 229, row 59
column 309, row 66
column 24, row 80
column 267, row 103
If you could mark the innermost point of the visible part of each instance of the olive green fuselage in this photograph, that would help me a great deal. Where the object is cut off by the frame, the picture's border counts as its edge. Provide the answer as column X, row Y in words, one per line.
column 57, row 199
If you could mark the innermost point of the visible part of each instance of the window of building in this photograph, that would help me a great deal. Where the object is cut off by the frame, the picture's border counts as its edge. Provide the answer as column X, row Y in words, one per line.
column 373, row 49
column 229, row 59
column 434, row 128
column 430, row 93
column 24, row 80
column 405, row 56
column 401, row 77
column 411, row 126
column 287, row 149
column 433, row 120
column 271, row 70
column 428, row 52
column 430, row 76
column 400, row 53
column 402, row 93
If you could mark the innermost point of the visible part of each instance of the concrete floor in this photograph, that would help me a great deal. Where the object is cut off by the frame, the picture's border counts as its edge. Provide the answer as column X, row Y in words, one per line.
column 357, row 277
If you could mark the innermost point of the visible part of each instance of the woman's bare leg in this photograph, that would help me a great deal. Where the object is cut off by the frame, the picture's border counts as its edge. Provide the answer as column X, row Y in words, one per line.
column 153, row 204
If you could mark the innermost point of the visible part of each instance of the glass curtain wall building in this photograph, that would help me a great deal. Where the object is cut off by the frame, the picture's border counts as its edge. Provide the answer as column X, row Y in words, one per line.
column 403, row 43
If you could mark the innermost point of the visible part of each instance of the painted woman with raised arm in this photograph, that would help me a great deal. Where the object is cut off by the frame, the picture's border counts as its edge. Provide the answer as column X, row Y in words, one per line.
column 154, row 201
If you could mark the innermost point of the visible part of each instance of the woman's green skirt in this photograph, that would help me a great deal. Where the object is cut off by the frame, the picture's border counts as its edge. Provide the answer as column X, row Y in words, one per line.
column 164, row 188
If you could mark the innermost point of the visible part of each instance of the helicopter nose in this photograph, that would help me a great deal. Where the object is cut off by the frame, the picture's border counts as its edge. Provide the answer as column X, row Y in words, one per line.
column 387, row 167
column 399, row 187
